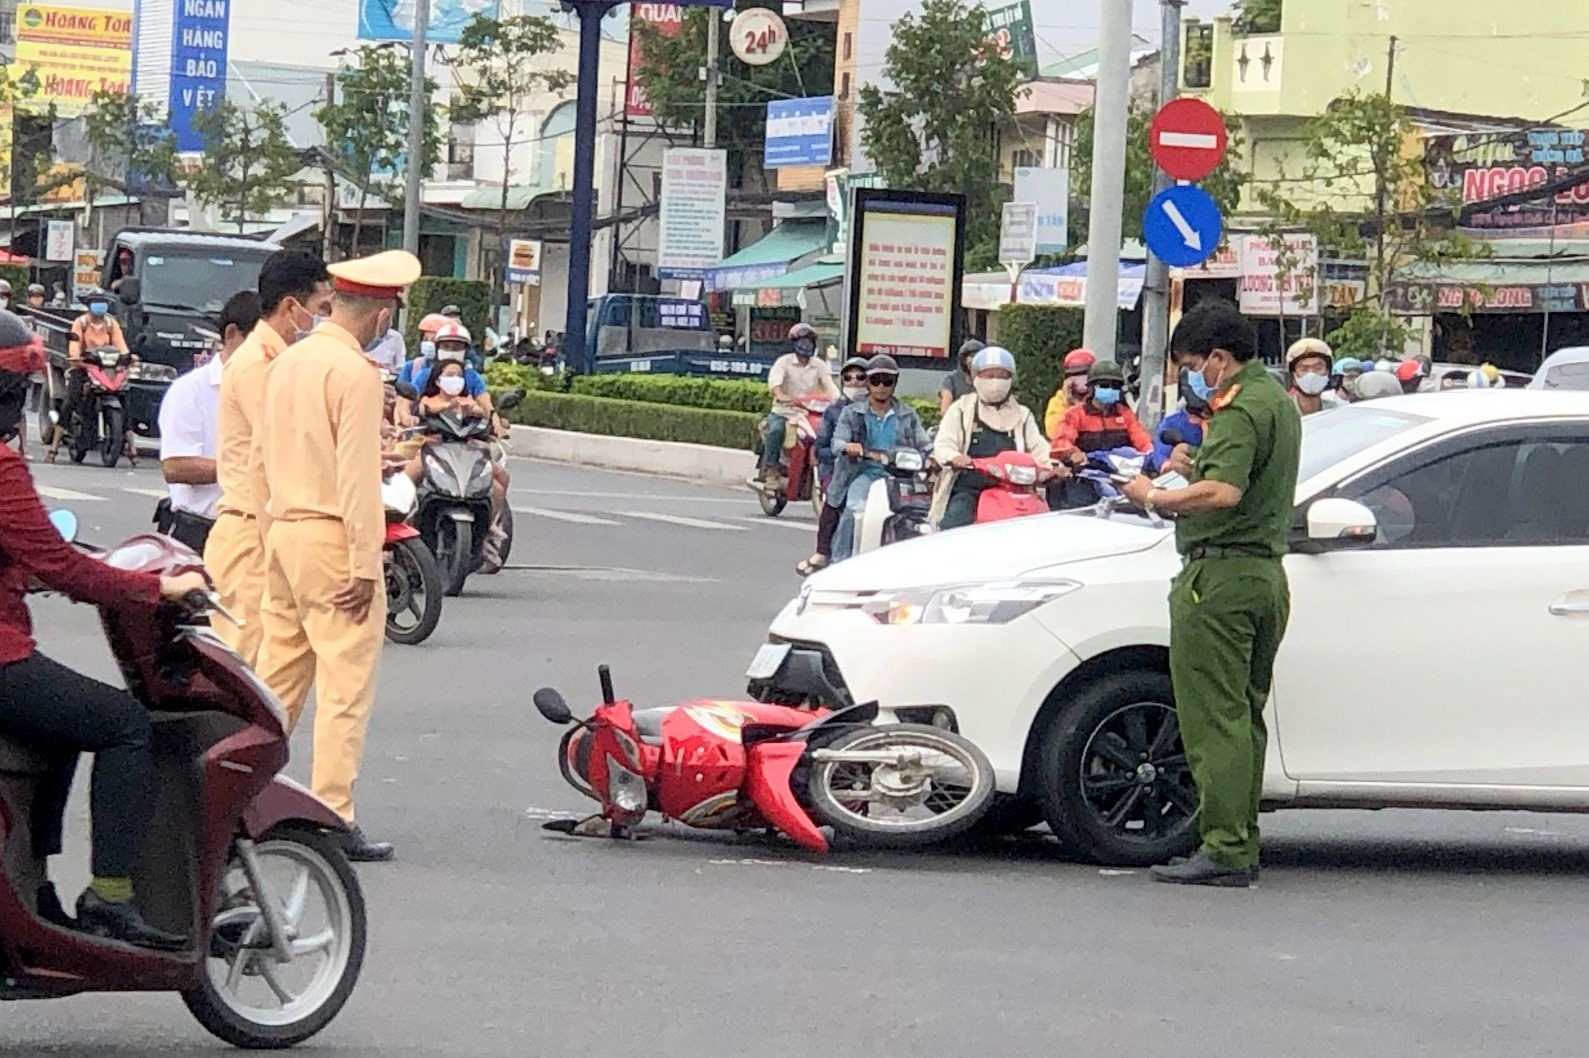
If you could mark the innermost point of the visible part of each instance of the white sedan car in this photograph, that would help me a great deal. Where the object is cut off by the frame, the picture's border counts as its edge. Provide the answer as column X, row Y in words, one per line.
column 1437, row 655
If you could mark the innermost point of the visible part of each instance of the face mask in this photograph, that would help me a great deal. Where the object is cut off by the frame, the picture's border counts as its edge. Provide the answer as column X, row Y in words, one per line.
column 1199, row 385
column 992, row 390
column 1106, row 395
column 855, row 392
column 5, row 302
column 300, row 333
column 1313, row 385
column 452, row 385
column 427, row 349
column 99, row 308
column 804, row 349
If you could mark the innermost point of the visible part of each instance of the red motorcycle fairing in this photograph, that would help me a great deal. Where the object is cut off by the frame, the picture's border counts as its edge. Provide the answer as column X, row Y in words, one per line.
column 113, row 381
column 399, row 531
column 771, row 790
column 1006, row 498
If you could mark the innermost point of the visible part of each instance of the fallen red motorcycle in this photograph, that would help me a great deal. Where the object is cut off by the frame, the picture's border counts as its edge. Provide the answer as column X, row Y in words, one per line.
column 744, row 766
column 798, row 463
column 246, row 864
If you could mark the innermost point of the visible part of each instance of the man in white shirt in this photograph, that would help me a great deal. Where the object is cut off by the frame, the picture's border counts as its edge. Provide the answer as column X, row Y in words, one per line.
column 189, row 434
column 389, row 353
column 796, row 374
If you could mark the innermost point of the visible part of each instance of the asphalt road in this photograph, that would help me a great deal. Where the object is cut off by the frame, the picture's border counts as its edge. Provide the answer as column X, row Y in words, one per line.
column 1390, row 934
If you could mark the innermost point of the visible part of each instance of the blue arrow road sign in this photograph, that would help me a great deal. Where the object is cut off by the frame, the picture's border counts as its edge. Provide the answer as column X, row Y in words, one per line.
column 1182, row 225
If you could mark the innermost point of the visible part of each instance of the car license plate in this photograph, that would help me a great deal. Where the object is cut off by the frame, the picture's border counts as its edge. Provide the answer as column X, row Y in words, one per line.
column 765, row 665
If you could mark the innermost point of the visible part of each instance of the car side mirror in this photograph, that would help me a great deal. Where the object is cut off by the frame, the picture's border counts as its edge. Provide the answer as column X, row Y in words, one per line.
column 129, row 289
column 1336, row 524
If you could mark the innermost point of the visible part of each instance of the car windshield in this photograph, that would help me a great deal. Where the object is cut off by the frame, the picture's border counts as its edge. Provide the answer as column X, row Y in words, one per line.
column 201, row 283
column 1329, row 437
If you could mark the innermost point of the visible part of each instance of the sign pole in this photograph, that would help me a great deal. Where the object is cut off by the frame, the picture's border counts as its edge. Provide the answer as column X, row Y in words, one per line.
column 1108, row 177
column 416, row 130
column 1156, row 289
column 714, row 27
column 575, row 355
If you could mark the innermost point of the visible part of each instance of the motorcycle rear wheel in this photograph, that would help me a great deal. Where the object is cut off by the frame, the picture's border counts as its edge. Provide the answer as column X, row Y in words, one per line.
column 413, row 592
column 114, row 441
column 454, row 552
column 233, row 973
column 772, row 503
column 868, row 802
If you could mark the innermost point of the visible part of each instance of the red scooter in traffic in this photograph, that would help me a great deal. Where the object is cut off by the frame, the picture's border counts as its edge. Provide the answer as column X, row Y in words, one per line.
column 743, row 766
column 1017, row 486
column 100, row 418
column 798, row 462
column 245, row 863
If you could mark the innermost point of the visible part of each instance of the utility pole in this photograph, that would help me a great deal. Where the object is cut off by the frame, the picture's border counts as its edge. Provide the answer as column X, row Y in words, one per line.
column 576, row 356
column 416, row 129
column 714, row 27
column 328, row 214
column 1156, row 289
column 1382, row 162
column 1110, row 100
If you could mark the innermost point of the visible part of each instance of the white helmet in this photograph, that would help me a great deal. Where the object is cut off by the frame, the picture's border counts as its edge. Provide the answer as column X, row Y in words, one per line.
column 993, row 356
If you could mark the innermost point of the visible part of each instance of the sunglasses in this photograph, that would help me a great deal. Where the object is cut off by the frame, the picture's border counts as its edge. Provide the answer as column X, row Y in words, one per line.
column 857, row 379
column 885, row 381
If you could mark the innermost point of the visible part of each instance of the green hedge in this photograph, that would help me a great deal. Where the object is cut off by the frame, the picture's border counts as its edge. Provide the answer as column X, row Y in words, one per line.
column 434, row 293
column 504, row 374
column 19, row 277
column 722, row 394
column 1039, row 336
column 632, row 418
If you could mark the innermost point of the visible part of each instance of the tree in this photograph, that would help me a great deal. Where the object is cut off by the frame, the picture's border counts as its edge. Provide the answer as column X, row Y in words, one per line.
column 504, row 74
column 1365, row 193
column 1224, row 183
column 1252, row 17
column 250, row 164
column 670, row 68
column 938, row 127
column 130, row 145
column 367, row 123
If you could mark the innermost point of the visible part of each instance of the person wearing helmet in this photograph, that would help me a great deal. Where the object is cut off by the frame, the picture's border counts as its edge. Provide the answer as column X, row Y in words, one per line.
column 414, row 368
column 983, row 423
column 452, row 342
column 94, row 329
column 1372, row 385
column 852, row 378
column 1072, row 390
column 36, row 295
column 451, row 312
column 796, row 374
column 957, row 383
column 868, row 432
column 5, row 294
column 1100, row 421
column 1310, row 362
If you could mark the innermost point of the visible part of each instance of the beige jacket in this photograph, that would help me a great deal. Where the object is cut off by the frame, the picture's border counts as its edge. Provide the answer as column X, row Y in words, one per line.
column 954, row 437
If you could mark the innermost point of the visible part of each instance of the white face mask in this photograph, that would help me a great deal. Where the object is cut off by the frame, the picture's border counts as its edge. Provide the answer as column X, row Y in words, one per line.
column 992, row 390
column 452, row 385
column 854, row 392
column 1313, row 385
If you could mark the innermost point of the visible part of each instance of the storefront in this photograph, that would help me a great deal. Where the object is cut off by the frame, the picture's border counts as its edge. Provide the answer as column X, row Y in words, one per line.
column 813, row 294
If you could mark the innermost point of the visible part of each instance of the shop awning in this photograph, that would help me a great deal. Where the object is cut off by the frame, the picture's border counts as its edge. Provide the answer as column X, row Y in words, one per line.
column 786, row 289
column 769, row 257
column 1517, row 285
column 519, row 198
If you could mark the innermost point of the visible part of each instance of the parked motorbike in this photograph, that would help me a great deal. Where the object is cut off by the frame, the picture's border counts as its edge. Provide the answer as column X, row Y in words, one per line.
column 100, row 418
column 742, row 766
column 244, row 862
column 897, row 504
column 413, row 580
column 797, row 463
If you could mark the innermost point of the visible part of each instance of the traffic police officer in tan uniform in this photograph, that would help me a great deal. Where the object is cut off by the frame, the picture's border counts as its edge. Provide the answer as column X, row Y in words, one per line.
column 325, row 600
column 1230, row 603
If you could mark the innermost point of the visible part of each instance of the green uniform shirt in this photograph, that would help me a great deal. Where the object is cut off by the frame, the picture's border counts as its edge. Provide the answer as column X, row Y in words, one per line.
column 1253, row 442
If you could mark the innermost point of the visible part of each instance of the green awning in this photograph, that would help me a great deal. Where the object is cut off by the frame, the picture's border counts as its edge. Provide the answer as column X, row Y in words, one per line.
column 785, row 289
column 519, row 198
column 770, row 256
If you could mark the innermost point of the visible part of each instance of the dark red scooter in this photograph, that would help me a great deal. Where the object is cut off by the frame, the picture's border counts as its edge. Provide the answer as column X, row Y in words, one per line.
column 244, row 862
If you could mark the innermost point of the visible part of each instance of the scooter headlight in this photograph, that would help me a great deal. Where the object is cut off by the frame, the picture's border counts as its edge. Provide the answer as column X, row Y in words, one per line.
column 479, row 478
column 905, row 459
column 968, row 604
column 1023, row 475
column 626, row 790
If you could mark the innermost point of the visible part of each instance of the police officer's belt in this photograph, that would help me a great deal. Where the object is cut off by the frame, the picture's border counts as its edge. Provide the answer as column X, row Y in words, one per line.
column 1198, row 552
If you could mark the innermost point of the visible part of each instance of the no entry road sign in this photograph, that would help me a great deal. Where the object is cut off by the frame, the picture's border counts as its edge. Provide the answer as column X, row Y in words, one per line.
column 1187, row 138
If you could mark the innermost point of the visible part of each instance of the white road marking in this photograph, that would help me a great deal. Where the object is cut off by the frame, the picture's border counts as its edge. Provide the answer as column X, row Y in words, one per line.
column 693, row 523
column 158, row 494
column 785, row 523
column 68, row 494
column 749, row 861
column 564, row 516
column 632, row 497
column 1198, row 140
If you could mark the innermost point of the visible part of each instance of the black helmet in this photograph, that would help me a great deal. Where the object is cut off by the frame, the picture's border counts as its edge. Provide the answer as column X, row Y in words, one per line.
column 1106, row 371
column 452, row 311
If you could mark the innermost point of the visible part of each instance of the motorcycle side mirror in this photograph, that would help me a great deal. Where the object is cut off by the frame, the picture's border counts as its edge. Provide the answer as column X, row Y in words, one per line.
column 552, row 706
column 406, row 390
column 511, row 400
column 65, row 523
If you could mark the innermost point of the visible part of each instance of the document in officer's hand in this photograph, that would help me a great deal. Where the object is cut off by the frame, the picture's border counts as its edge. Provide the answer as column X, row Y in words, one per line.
column 1171, row 480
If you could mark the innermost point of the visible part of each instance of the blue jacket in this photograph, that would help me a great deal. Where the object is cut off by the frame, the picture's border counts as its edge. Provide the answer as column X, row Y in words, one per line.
column 824, row 443
column 852, row 427
column 1191, row 431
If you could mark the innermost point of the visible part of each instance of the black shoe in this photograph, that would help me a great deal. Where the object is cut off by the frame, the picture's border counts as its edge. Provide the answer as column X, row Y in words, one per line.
column 1200, row 870
column 361, row 849
column 48, row 905
column 123, row 922
column 1255, row 870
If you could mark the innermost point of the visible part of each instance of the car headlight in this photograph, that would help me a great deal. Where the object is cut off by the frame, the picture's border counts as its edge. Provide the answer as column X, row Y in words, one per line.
column 144, row 371
column 995, row 603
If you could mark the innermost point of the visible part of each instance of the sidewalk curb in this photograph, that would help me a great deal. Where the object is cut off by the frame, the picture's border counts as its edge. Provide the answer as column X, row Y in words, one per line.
column 717, row 466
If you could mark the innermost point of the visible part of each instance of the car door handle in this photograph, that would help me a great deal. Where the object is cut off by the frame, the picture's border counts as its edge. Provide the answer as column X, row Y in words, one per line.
column 1566, row 606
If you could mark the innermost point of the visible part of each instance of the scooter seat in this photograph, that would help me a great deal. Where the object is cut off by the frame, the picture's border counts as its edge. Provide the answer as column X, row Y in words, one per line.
column 18, row 758
column 648, row 724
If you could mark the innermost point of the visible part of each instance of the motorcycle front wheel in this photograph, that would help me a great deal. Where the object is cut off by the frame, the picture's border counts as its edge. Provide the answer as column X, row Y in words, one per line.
column 899, row 785
column 772, row 503
column 246, row 995
column 413, row 592
column 454, row 552
column 82, row 439
column 114, row 440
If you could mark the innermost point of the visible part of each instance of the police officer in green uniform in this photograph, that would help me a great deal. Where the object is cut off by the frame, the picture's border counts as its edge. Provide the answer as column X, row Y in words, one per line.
column 1230, row 603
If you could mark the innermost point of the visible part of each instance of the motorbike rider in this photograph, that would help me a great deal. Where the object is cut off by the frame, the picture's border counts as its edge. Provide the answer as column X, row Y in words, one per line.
column 853, row 378
column 985, row 422
column 427, row 350
column 454, row 385
column 1187, row 422
column 1347, row 371
column 58, row 712
column 36, row 295
column 1310, row 362
column 94, row 329
column 868, row 432
column 795, row 374
column 957, row 384
column 1101, row 421
column 1072, row 389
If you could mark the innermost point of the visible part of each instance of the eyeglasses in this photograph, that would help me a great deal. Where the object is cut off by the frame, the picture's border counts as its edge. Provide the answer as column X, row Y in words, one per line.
column 855, row 379
column 885, row 381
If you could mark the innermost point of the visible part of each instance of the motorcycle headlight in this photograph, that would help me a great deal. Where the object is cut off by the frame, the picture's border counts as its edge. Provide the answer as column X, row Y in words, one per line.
column 1022, row 475
column 995, row 603
column 479, row 479
column 439, row 475
column 626, row 790
column 109, row 359
column 905, row 459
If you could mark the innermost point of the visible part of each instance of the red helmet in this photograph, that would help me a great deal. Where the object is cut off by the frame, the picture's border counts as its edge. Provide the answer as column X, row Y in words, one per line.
column 453, row 331
column 1408, row 371
column 1079, row 361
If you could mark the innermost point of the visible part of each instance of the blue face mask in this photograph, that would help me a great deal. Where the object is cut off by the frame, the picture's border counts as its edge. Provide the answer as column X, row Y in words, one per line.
column 1106, row 396
column 99, row 308
column 1199, row 385
column 427, row 349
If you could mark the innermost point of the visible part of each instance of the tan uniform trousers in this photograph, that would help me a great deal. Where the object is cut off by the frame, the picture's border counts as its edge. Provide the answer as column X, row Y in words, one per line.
column 310, row 643
column 235, row 557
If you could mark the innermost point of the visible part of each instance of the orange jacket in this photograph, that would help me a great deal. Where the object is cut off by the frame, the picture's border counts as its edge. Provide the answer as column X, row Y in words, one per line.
column 1084, row 428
